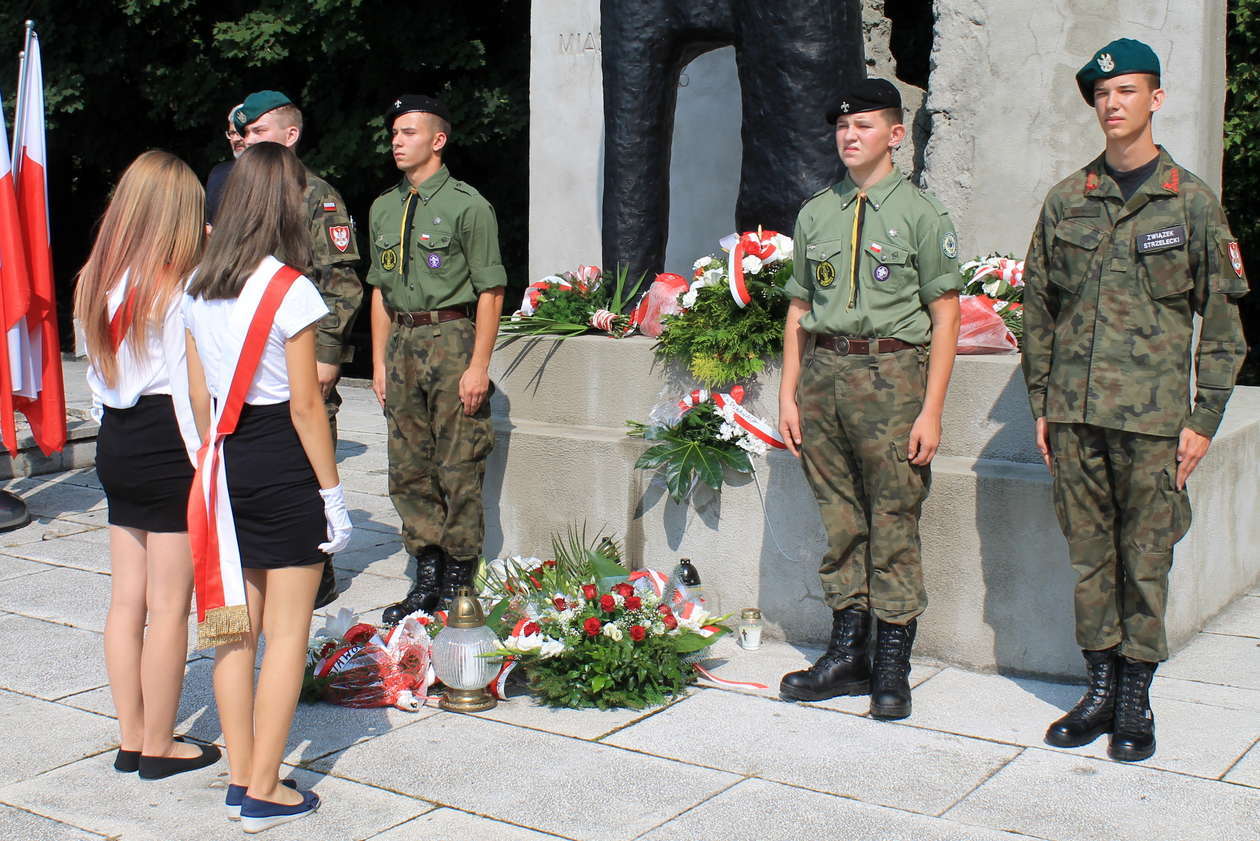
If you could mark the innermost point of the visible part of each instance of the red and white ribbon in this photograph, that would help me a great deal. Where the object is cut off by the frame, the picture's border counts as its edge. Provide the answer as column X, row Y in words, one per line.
column 710, row 676
column 757, row 244
column 1012, row 271
column 745, row 419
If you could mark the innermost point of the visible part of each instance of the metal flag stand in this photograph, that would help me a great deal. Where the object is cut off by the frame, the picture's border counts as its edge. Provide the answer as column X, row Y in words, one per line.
column 13, row 511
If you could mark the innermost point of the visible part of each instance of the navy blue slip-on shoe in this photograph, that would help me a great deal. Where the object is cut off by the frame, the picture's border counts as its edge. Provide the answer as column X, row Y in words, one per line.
column 257, row 815
column 157, row 767
column 236, row 794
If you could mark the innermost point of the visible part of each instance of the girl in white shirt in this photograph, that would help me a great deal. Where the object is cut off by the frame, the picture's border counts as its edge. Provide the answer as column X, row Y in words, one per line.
column 287, row 507
column 127, row 301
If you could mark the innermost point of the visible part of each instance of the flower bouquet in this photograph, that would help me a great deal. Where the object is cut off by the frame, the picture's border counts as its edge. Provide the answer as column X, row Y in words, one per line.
column 587, row 636
column 992, row 286
column 573, row 303
column 352, row 665
column 705, row 434
column 735, row 309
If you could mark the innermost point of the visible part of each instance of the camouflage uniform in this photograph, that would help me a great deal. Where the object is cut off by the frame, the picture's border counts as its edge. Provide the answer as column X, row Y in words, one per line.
column 1112, row 288
column 335, row 252
column 436, row 452
column 857, row 410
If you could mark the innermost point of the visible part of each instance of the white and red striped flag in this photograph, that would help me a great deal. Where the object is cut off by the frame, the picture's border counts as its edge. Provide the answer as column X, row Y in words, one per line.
column 42, row 399
column 15, row 293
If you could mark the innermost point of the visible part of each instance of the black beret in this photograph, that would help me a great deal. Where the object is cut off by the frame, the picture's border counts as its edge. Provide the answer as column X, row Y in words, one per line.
column 412, row 102
column 1119, row 58
column 866, row 95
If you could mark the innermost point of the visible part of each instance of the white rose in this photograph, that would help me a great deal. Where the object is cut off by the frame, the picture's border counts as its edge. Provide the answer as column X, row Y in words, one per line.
column 700, row 264
column 611, row 631
column 689, row 299
column 751, row 264
column 551, row 648
column 783, row 247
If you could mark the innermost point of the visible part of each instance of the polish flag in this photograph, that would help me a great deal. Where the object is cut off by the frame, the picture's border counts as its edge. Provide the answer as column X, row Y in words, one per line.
column 42, row 396
column 15, row 294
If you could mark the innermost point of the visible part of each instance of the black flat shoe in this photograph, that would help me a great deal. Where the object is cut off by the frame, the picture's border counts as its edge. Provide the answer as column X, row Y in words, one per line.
column 157, row 767
column 127, row 761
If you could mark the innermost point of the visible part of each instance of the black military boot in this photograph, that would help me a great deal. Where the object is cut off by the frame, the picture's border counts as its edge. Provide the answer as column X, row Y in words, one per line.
column 457, row 574
column 1134, row 737
column 1093, row 714
column 844, row 669
column 890, row 682
column 430, row 565
column 327, row 592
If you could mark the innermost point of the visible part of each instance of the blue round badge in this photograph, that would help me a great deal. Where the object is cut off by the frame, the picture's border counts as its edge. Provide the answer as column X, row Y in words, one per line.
column 881, row 272
column 434, row 260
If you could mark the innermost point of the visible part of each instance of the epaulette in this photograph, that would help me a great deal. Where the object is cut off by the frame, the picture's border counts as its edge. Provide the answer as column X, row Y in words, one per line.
column 816, row 195
column 464, row 187
column 933, row 201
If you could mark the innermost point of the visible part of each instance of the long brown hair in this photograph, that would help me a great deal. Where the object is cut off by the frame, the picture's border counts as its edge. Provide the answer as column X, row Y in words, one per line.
column 262, row 213
column 152, row 231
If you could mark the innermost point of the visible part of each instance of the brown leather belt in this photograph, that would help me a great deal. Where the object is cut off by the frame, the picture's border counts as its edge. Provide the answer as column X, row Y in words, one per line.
column 843, row 345
column 424, row 319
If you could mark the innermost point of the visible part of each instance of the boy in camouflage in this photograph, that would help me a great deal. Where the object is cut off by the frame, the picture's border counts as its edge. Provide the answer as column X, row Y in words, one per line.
column 1126, row 251
column 875, row 281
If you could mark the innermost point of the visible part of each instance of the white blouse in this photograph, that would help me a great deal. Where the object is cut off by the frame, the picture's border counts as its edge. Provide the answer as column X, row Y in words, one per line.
column 162, row 369
column 210, row 321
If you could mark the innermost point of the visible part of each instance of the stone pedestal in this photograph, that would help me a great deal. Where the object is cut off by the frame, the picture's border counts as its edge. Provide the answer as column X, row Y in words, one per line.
column 998, row 579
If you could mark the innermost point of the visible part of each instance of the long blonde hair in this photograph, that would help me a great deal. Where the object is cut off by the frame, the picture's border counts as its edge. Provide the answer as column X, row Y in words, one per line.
column 153, row 231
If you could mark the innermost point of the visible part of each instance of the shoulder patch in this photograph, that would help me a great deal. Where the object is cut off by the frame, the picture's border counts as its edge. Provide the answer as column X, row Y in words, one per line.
column 949, row 245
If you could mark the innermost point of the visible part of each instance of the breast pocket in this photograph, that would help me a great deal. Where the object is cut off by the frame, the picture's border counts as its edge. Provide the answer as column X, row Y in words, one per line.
column 1163, row 262
column 826, row 262
column 386, row 253
column 890, row 266
column 1073, row 253
column 435, row 249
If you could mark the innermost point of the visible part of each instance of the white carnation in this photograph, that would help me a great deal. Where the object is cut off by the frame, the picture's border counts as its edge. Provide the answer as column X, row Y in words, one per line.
column 689, row 298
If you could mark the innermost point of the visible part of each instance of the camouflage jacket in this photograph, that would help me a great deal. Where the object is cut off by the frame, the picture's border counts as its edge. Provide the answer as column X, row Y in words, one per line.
column 336, row 253
column 1112, row 289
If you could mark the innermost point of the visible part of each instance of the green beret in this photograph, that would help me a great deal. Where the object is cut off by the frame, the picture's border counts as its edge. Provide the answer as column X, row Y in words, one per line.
column 255, row 105
column 1119, row 58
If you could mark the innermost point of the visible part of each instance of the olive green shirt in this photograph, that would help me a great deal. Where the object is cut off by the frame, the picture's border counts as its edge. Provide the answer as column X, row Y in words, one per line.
column 879, row 284
column 451, row 254
column 1111, row 291
column 336, row 255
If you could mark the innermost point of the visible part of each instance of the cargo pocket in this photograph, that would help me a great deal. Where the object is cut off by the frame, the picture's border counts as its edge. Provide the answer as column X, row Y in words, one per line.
column 1178, row 502
column 385, row 252
column 1165, row 273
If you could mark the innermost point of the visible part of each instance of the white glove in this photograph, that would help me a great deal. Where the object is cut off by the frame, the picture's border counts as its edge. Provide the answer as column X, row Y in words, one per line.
column 338, row 518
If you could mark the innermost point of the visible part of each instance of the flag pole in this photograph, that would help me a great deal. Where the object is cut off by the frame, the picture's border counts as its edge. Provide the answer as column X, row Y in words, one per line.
column 13, row 511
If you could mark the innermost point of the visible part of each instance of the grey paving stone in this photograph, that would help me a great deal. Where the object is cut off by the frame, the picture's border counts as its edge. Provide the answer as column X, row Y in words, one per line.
column 1048, row 794
column 70, row 551
column 818, row 749
column 46, row 497
column 370, row 482
column 20, row 825
column 388, row 559
column 60, row 594
column 1247, row 771
column 1209, row 694
column 758, row 810
column 453, row 825
column 65, row 659
column 365, row 593
column 1192, row 739
column 39, row 735
column 189, row 806
column 42, row 528
column 1240, row 619
column 85, row 478
column 1212, row 658
column 98, row 517
column 526, row 777
column 11, row 567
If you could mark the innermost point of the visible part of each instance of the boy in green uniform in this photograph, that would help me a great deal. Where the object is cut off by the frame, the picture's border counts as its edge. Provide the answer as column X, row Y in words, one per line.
column 435, row 262
column 271, row 117
column 875, row 281
column 1126, row 251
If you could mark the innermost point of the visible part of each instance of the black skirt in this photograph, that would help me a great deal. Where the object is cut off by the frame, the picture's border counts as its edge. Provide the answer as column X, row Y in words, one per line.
column 143, row 466
column 275, row 497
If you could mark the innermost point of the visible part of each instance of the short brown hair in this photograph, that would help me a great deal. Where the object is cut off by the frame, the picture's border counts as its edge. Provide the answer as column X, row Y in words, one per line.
column 262, row 213
column 289, row 115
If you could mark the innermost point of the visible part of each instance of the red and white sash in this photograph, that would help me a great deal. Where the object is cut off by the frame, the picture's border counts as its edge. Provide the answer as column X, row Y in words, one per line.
column 222, row 616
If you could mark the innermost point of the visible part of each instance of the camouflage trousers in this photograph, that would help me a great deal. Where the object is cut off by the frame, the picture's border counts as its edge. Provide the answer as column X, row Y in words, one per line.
column 436, row 453
column 1116, row 499
column 856, row 414
column 332, row 405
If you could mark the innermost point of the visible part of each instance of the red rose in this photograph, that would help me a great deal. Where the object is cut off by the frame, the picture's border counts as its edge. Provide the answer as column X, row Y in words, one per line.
column 592, row 626
column 607, row 603
column 360, row 633
column 623, row 589
column 670, row 622
column 637, row 633
column 633, row 602
column 529, row 629
column 664, row 610
column 549, row 564
column 589, row 591
column 560, row 604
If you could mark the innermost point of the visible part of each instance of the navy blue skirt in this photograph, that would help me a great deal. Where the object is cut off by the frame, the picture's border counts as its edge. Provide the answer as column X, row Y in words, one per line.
column 275, row 497
column 144, row 467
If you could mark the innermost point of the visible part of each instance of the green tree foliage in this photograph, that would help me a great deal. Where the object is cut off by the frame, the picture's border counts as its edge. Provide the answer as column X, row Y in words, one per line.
column 1241, row 193
column 122, row 76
